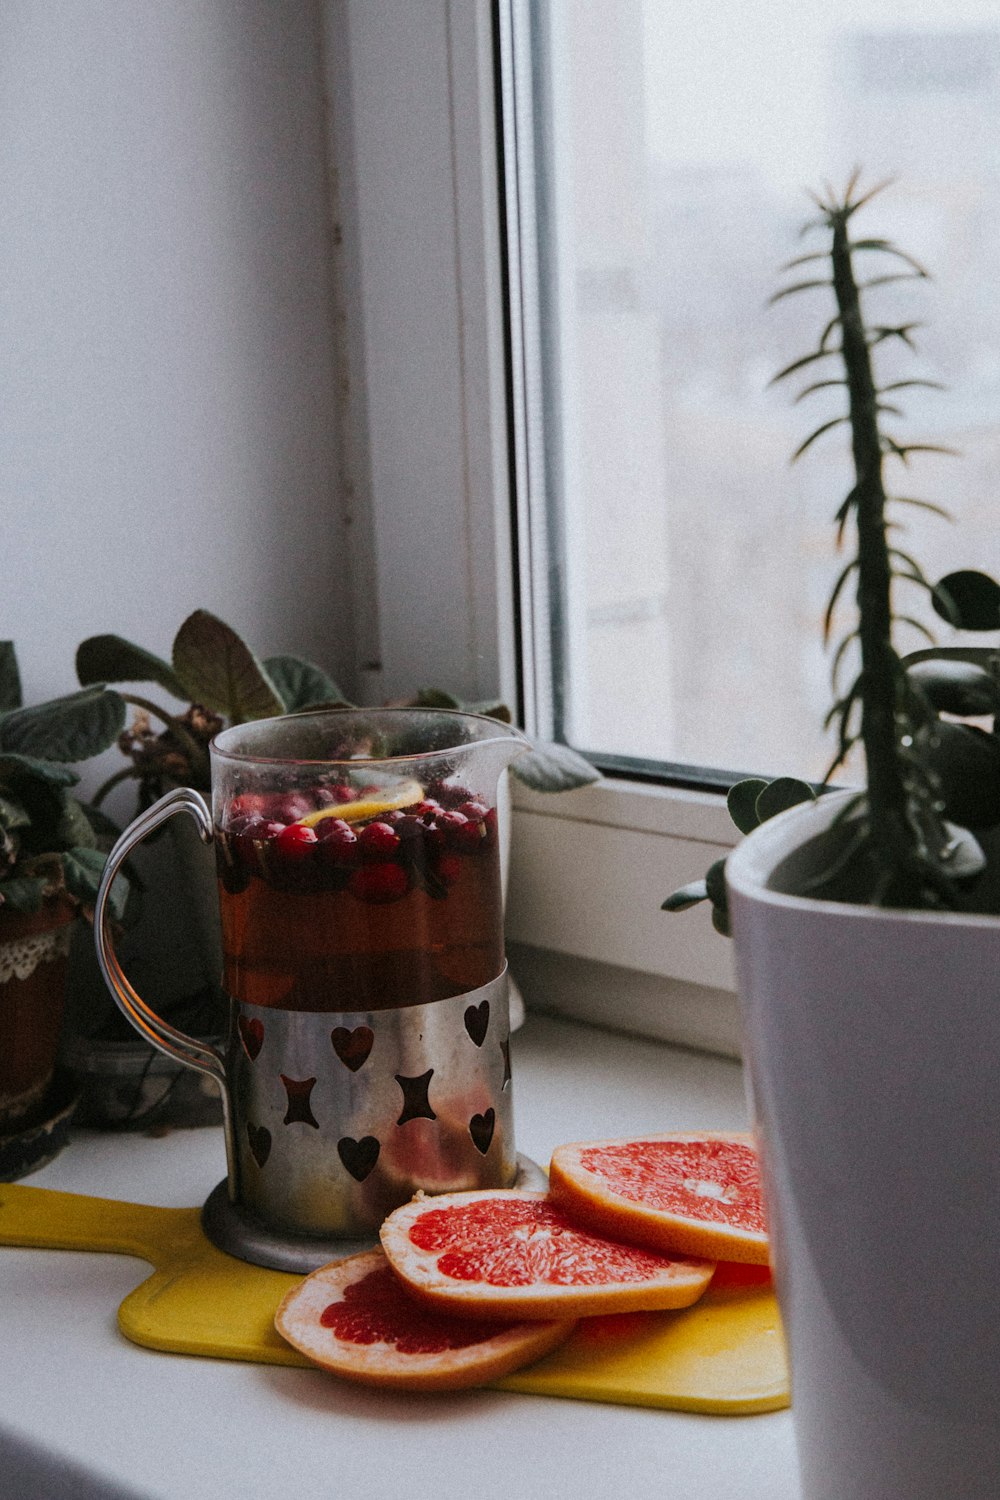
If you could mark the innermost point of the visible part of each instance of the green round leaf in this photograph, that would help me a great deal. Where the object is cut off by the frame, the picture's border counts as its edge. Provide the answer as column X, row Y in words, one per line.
column 715, row 885
column 972, row 600
column 967, row 761
column 956, row 687
column 742, row 803
column 778, row 796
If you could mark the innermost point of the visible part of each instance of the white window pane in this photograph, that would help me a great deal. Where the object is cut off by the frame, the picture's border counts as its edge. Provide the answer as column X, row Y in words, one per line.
column 673, row 144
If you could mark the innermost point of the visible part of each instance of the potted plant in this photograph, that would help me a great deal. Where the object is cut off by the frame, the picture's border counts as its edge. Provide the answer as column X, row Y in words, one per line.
column 217, row 675
column 867, row 953
column 50, row 868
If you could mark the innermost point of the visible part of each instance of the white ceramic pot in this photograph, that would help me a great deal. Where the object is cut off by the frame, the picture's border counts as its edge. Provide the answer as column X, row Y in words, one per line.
column 873, row 1050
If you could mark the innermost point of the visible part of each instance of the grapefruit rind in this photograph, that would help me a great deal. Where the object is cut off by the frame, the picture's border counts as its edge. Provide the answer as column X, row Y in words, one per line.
column 588, row 1198
column 676, row 1282
column 382, row 1364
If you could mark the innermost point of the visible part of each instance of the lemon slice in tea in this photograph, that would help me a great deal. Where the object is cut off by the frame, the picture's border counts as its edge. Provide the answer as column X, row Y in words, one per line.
column 406, row 794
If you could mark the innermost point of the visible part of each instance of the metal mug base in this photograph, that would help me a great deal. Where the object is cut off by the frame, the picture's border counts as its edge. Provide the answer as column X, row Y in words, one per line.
column 233, row 1230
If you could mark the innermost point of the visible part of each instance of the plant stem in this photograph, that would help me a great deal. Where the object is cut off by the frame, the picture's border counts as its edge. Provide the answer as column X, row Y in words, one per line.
column 893, row 837
column 196, row 753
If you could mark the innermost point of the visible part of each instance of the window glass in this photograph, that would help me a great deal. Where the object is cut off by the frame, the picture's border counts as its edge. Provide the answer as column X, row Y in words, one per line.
column 689, row 563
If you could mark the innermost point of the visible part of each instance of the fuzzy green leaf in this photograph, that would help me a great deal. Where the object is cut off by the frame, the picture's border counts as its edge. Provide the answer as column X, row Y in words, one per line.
column 110, row 658
column 75, row 828
column 13, row 814
column 65, row 729
column 778, row 796
column 300, row 684
column 221, row 672
column 23, row 893
column 741, row 801
column 431, row 697
column 83, row 869
column 491, row 709
column 17, row 769
column 550, row 767
column 10, row 678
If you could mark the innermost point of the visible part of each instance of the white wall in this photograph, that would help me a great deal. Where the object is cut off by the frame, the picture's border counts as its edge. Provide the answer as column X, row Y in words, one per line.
column 167, row 436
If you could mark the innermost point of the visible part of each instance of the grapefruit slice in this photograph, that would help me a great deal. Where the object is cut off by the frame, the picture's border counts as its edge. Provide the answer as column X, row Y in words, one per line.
column 406, row 794
column 355, row 1318
column 699, row 1194
column 507, row 1253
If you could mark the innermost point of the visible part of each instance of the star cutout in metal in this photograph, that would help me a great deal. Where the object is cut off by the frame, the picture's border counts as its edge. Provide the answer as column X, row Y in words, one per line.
column 299, row 1109
column 505, row 1049
column 416, row 1105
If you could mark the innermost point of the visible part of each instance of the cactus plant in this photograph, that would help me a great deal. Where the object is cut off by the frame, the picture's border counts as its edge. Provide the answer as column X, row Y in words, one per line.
column 931, row 782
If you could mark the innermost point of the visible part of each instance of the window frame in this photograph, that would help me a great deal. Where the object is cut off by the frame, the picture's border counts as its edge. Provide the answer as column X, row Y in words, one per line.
column 433, row 383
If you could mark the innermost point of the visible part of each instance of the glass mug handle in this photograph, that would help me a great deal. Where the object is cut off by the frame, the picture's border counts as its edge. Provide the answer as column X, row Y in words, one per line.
column 200, row 1055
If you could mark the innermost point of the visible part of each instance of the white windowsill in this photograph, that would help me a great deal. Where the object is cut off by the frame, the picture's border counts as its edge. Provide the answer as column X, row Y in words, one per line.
column 589, row 871
column 179, row 1428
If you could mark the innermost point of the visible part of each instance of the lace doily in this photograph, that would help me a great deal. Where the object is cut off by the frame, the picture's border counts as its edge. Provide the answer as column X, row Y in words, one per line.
column 21, row 958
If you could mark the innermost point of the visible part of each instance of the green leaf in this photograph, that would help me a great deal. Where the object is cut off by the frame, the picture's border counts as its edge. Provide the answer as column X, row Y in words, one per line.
column 300, row 684
column 741, row 801
column 550, row 767
column 65, row 729
column 110, row 658
column 83, row 869
column 221, row 672
column 491, row 709
column 974, row 597
column 967, row 762
column 23, row 893
column 13, row 814
column 15, row 770
column 778, row 796
column 955, row 687
column 687, row 896
column 430, row 697
column 101, row 825
column 10, row 678
column 720, row 921
column 715, row 885
column 75, row 828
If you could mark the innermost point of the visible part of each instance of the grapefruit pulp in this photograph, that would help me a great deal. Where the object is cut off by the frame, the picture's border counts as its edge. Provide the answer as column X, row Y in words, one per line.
column 355, row 1318
column 508, row 1253
column 696, row 1194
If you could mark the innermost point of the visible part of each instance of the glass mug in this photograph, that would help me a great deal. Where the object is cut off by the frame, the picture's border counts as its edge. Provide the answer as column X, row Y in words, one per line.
column 360, row 897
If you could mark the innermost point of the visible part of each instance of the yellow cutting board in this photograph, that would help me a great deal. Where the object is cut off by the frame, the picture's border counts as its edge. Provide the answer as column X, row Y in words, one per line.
column 725, row 1355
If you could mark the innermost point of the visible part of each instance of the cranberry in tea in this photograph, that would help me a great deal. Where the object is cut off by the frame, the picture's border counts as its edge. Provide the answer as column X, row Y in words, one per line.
column 357, row 889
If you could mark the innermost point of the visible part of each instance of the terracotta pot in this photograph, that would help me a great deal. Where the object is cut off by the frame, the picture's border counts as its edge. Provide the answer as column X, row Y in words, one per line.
column 33, row 957
column 872, row 1042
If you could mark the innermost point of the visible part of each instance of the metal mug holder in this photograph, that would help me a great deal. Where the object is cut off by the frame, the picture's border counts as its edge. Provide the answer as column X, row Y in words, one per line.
column 331, row 1119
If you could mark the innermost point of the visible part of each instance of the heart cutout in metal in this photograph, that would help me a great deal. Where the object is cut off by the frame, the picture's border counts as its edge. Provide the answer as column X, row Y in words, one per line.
column 353, row 1047
column 359, row 1157
column 477, row 1021
column 251, row 1030
column 481, row 1129
column 260, row 1142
